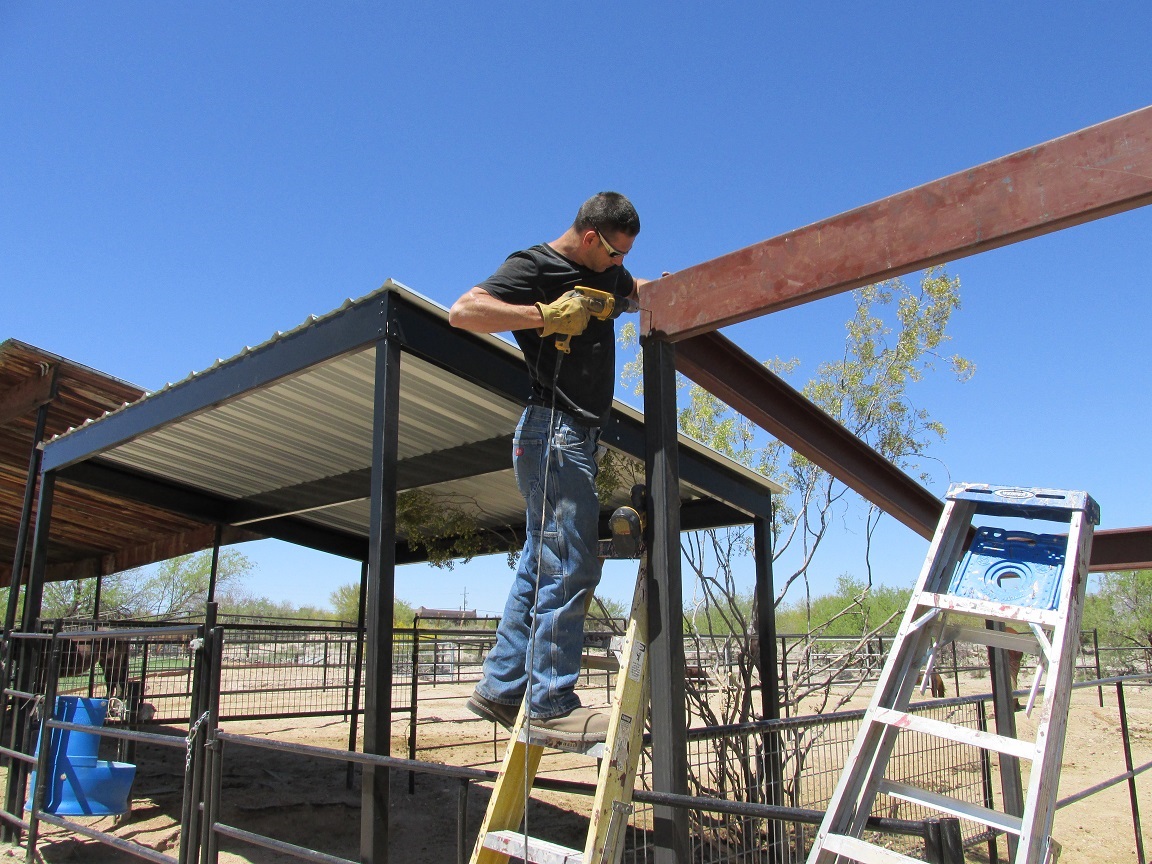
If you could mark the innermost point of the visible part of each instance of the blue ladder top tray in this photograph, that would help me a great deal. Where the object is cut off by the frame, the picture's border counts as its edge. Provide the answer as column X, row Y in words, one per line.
column 1054, row 505
column 1014, row 567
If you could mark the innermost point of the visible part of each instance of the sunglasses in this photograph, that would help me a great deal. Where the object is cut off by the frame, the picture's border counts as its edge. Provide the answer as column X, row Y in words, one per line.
column 612, row 253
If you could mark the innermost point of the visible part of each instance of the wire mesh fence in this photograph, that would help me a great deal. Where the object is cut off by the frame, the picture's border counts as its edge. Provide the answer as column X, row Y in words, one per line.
column 797, row 762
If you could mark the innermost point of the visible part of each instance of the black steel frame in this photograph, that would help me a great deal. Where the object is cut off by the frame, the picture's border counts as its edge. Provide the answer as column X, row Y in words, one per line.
column 393, row 323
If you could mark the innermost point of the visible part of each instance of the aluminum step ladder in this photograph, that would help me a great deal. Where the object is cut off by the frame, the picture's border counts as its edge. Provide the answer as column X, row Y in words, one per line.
column 993, row 586
column 500, row 839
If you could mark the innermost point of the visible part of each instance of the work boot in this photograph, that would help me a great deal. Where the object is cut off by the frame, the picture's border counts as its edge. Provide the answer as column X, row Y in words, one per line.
column 580, row 726
column 493, row 712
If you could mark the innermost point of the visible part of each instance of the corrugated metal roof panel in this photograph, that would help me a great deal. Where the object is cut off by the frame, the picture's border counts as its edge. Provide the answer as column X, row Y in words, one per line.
column 315, row 425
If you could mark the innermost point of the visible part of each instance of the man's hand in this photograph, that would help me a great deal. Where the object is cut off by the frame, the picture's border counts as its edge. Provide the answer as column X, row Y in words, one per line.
column 568, row 315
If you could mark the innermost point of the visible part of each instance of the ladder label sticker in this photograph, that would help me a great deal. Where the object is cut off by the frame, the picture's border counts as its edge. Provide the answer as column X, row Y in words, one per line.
column 636, row 667
column 623, row 738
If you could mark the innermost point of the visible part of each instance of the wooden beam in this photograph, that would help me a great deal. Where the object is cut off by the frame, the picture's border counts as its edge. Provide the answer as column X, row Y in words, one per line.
column 27, row 396
column 1096, row 172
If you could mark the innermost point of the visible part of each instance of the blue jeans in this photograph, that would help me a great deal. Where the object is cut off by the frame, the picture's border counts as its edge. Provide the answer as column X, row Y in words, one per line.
column 558, row 569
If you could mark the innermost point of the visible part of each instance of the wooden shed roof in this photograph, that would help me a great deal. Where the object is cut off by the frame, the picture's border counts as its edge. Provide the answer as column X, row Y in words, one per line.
column 92, row 533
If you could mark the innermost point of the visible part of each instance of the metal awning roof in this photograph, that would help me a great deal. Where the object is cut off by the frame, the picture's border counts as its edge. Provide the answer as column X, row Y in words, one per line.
column 278, row 440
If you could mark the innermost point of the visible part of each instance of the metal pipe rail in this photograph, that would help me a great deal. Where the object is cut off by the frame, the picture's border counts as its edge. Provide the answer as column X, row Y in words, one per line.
column 134, row 633
column 110, row 839
column 928, row 830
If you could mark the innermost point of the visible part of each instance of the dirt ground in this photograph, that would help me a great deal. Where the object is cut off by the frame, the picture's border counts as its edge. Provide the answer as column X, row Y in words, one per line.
column 308, row 802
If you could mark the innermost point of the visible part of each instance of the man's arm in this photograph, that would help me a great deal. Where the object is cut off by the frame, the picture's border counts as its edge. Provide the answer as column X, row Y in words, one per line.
column 480, row 312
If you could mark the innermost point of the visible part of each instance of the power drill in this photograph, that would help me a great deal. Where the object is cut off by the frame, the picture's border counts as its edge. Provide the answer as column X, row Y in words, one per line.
column 600, row 303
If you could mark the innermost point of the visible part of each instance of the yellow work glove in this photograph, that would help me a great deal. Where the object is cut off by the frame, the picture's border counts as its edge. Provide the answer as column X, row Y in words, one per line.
column 568, row 315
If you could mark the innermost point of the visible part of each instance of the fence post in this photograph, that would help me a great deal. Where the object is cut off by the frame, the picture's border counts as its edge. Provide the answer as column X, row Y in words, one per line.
column 414, row 700
column 1099, row 674
column 986, row 777
column 943, row 843
column 1128, row 767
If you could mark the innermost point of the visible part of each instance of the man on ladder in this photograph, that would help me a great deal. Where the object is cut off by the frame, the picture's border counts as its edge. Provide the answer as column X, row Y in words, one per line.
column 535, row 295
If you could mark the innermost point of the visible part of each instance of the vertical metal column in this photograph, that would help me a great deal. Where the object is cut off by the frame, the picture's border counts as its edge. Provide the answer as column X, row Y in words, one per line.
column 356, row 671
column 214, row 573
column 34, row 461
column 766, row 619
column 381, row 591
column 665, row 601
column 769, row 682
column 33, row 597
column 1003, row 703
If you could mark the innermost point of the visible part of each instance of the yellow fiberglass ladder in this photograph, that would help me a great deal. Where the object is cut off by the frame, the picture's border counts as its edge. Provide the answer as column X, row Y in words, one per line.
column 500, row 837
column 993, row 586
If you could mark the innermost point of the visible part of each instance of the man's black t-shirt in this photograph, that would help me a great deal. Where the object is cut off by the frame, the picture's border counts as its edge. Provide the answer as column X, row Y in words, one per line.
column 587, row 375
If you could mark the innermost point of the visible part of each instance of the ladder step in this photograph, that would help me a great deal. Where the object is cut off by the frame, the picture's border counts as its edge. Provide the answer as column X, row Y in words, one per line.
column 540, row 738
column 511, row 843
column 1023, row 642
column 599, row 661
column 867, row 853
column 954, row 806
column 987, row 609
column 952, row 732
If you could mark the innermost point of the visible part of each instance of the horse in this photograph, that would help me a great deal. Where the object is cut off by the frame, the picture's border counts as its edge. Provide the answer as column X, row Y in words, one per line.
column 78, row 656
column 936, row 682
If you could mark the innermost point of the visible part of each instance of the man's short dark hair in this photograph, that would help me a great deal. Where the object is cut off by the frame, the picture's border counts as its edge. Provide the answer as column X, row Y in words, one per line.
column 608, row 211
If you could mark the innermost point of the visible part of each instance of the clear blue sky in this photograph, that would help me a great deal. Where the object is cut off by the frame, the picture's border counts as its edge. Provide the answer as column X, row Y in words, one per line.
column 178, row 181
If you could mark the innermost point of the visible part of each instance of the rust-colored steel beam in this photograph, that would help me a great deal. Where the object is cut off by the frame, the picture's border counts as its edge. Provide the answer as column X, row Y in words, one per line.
column 717, row 364
column 1122, row 549
column 1096, row 172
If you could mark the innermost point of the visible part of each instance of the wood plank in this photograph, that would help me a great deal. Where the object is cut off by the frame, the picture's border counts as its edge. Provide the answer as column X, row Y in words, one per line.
column 960, row 734
column 511, row 843
column 860, row 850
column 24, row 398
column 1089, row 174
column 947, row 804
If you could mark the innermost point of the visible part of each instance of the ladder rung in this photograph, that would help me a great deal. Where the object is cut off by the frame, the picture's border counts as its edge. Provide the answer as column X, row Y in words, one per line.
column 599, row 661
column 542, row 739
column 859, row 850
column 952, row 732
column 511, row 843
column 988, row 609
column 992, row 638
column 947, row 804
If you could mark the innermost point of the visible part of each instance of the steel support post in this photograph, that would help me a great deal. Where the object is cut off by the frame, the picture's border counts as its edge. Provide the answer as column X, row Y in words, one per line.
column 34, row 595
column 665, row 603
column 769, row 682
column 1004, row 704
column 379, row 601
column 214, row 574
column 34, row 461
column 354, row 719
column 1133, row 800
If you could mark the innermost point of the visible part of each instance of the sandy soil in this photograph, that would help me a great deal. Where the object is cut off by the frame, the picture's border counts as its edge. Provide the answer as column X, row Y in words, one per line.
column 308, row 803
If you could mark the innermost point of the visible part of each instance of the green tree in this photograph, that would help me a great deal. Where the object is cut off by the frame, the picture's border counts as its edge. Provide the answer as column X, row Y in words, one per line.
column 1122, row 608
column 893, row 339
column 852, row 610
column 176, row 587
column 345, row 602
